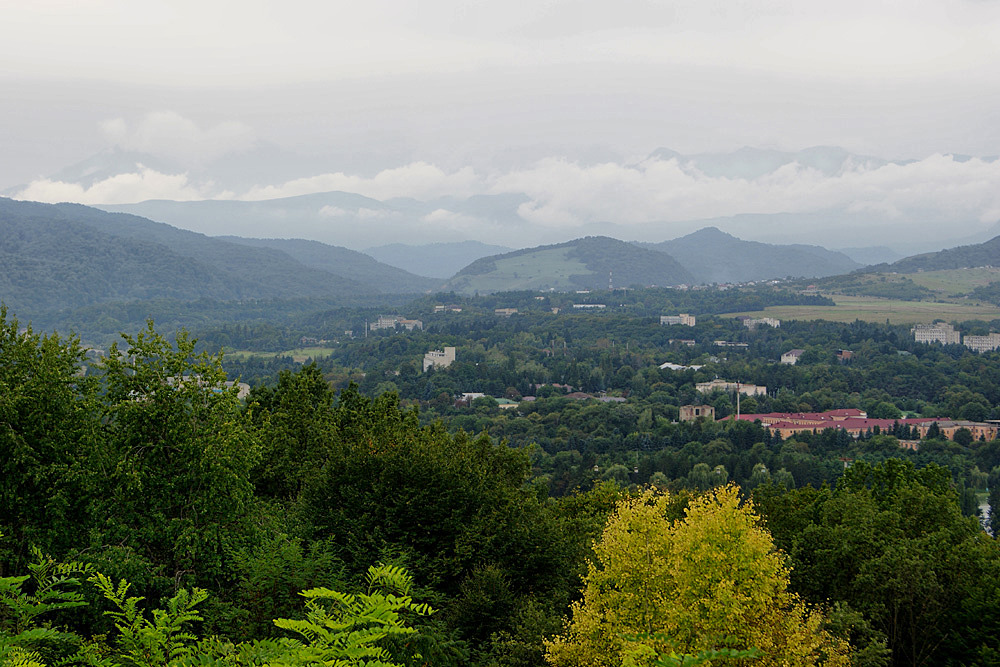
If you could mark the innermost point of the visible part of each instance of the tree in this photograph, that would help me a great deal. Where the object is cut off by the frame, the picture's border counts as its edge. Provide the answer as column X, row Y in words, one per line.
column 454, row 508
column 48, row 432
column 709, row 580
column 891, row 542
column 295, row 423
column 175, row 495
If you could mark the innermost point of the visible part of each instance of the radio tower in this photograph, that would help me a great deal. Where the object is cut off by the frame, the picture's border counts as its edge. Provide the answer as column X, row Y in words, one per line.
column 611, row 285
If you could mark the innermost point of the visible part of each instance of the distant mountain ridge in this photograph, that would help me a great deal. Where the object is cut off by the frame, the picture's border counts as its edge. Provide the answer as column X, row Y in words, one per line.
column 346, row 263
column 510, row 214
column 587, row 263
column 340, row 218
column 67, row 256
column 714, row 256
column 966, row 256
column 750, row 163
column 440, row 260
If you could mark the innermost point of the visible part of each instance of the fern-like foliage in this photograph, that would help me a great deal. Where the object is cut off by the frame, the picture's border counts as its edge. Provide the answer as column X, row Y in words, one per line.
column 347, row 630
column 162, row 640
column 12, row 655
column 340, row 629
column 26, row 639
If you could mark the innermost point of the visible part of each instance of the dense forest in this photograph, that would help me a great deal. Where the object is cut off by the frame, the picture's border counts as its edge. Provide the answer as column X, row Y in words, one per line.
column 149, row 516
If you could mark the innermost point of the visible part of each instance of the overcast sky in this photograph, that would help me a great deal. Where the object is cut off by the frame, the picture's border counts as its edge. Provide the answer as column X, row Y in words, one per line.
column 557, row 99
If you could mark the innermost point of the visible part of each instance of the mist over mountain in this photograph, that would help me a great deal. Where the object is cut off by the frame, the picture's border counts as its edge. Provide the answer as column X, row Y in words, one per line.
column 712, row 256
column 751, row 163
column 823, row 195
column 871, row 254
column 440, row 260
column 346, row 264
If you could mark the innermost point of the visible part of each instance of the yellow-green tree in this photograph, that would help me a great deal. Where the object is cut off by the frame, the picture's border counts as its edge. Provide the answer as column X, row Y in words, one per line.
column 711, row 579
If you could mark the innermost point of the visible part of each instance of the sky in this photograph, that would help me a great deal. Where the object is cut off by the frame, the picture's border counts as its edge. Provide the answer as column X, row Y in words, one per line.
column 562, row 101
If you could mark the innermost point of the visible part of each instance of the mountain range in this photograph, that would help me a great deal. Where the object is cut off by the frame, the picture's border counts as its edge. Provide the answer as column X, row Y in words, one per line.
column 821, row 195
column 587, row 263
column 66, row 256
column 439, row 260
column 712, row 256
column 966, row 256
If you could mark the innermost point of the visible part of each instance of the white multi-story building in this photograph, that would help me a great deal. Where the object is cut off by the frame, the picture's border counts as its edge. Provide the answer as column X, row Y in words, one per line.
column 439, row 358
column 792, row 356
column 754, row 322
column 683, row 318
column 936, row 333
column 746, row 389
column 393, row 321
column 986, row 343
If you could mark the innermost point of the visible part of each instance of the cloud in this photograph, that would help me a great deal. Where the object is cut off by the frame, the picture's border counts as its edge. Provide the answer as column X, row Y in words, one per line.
column 168, row 134
column 362, row 213
column 648, row 199
column 333, row 212
column 375, row 214
column 418, row 180
column 566, row 194
column 442, row 218
column 119, row 189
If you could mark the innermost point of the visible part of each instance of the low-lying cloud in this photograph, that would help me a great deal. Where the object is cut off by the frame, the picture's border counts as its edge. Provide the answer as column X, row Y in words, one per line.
column 563, row 195
column 141, row 185
column 418, row 180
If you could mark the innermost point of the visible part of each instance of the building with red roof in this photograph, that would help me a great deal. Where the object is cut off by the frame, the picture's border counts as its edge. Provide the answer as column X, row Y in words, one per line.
column 857, row 423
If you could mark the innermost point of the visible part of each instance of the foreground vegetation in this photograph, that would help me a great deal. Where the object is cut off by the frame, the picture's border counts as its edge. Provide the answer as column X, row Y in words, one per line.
column 148, row 471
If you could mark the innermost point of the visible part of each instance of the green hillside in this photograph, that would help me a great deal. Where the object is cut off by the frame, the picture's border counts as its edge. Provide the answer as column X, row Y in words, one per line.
column 716, row 257
column 967, row 256
column 346, row 263
column 68, row 256
column 586, row 263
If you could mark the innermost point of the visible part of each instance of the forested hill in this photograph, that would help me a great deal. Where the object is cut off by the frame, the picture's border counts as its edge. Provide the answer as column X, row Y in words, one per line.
column 346, row 263
column 67, row 255
column 586, row 263
column 716, row 257
column 966, row 256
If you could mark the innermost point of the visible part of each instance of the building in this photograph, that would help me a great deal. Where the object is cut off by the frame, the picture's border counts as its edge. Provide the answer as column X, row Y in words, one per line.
column 439, row 358
column 410, row 325
column 383, row 322
column 683, row 318
column 689, row 413
column 753, row 323
column 725, row 385
column 584, row 306
column 242, row 388
column 729, row 343
column 936, row 333
column 392, row 321
column 982, row 343
column 792, row 356
column 678, row 367
column 505, row 312
column 856, row 423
